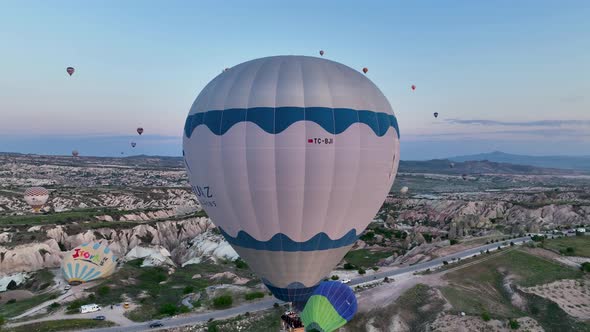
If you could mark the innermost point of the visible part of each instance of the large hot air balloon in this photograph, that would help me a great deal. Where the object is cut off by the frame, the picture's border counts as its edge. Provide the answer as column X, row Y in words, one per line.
column 88, row 262
column 404, row 190
column 70, row 70
column 330, row 307
column 413, row 87
column 133, row 144
column 322, row 52
column 140, row 130
column 36, row 197
column 435, row 114
column 291, row 157
column 365, row 70
column 75, row 153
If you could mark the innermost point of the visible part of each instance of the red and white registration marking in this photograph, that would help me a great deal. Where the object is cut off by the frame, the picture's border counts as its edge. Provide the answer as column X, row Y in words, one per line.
column 319, row 140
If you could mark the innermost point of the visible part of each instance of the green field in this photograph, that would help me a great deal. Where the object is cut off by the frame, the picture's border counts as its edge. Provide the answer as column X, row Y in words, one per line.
column 158, row 293
column 78, row 215
column 365, row 258
column 14, row 309
column 478, row 288
column 61, row 325
column 580, row 244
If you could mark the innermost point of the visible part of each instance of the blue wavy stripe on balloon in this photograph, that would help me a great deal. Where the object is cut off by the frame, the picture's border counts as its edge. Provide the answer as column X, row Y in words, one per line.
column 295, row 292
column 275, row 120
column 281, row 242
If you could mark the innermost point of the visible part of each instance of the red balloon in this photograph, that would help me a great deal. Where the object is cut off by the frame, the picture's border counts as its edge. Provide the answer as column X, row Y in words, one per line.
column 413, row 87
column 140, row 130
column 365, row 70
column 322, row 52
column 70, row 70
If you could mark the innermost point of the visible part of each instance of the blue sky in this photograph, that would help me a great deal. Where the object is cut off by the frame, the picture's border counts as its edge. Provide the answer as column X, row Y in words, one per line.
column 504, row 75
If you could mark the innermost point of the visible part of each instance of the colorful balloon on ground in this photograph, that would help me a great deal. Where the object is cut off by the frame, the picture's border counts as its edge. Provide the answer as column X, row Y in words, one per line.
column 322, row 52
column 291, row 157
column 404, row 190
column 332, row 305
column 140, row 130
column 87, row 262
column 413, row 87
column 133, row 144
column 365, row 70
column 75, row 153
column 70, row 70
column 36, row 197
column 436, row 114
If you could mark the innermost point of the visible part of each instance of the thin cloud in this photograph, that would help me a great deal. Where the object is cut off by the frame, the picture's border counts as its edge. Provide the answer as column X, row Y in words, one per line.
column 540, row 123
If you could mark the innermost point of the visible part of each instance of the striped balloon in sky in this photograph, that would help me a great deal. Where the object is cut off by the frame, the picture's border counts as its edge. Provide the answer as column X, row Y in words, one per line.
column 331, row 305
column 87, row 262
column 291, row 157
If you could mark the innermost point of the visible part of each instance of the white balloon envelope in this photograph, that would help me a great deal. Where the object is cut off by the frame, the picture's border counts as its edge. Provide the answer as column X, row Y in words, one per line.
column 291, row 157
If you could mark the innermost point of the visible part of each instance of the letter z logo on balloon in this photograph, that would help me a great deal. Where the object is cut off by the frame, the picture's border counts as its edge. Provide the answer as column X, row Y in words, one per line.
column 203, row 193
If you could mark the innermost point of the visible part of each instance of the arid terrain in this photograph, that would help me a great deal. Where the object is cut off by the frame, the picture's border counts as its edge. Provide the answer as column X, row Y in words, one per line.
column 175, row 262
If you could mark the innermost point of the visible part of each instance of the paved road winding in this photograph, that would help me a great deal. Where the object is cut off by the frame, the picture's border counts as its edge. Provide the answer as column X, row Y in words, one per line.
column 268, row 303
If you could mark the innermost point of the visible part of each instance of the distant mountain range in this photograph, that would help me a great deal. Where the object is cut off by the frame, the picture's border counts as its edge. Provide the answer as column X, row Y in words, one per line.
column 443, row 166
column 564, row 162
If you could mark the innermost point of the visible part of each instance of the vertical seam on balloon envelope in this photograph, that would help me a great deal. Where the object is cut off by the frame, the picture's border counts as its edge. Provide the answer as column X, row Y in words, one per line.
column 305, row 154
column 358, row 166
column 274, row 134
column 257, row 224
column 323, row 228
column 231, row 207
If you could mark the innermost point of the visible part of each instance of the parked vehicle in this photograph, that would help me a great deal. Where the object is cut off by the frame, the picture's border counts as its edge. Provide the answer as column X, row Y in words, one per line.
column 99, row 318
column 89, row 308
column 68, row 287
column 156, row 324
column 345, row 281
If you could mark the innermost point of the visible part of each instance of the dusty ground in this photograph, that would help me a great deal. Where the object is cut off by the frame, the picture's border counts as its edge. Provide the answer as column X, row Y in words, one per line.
column 18, row 295
column 573, row 296
column 552, row 256
column 456, row 323
column 388, row 293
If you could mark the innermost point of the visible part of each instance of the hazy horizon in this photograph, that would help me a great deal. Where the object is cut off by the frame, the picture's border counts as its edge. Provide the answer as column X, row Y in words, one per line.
column 502, row 75
column 170, row 146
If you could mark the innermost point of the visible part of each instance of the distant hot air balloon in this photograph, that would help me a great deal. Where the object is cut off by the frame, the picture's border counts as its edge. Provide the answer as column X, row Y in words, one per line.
column 452, row 165
column 140, row 130
column 413, row 87
column 322, row 52
column 272, row 165
column 436, row 114
column 464, row 176
column 122, row 153
column 226, row 69
column 75, row 153
column 133, row 144
column 331, row 306
column 70, row 70
column 36, row 197
column 365, row 70
column 88, row 262
column 404, row 190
